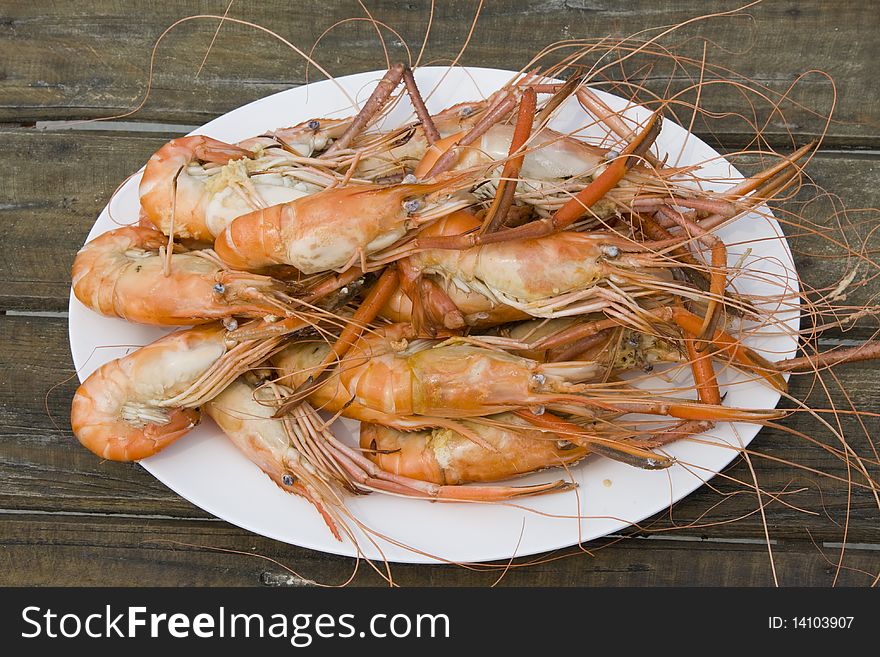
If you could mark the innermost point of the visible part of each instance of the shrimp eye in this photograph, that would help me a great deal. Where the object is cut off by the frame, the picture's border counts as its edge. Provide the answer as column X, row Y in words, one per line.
column 287, row 479
column 412, row 205
column 466, row 111
column 219, row 288
column 611, row 251
column 313, row 125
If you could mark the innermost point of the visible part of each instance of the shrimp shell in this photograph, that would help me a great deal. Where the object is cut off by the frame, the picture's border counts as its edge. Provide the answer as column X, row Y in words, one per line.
column 122, row 274
column 332, row 229
column 444, row 456
column 134, row 406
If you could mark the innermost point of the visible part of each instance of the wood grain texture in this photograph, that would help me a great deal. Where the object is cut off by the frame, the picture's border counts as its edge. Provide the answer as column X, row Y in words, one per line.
column 113, row 551
column 62, row 61
column 49, row 204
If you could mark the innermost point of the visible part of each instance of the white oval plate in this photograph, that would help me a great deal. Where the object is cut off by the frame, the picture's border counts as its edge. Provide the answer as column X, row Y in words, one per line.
column 207, row 470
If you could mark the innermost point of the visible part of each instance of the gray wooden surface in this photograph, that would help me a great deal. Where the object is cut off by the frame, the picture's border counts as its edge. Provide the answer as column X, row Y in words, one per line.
column 68, row 518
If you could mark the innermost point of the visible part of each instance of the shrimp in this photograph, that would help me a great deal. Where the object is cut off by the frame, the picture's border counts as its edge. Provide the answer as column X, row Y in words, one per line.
column 194, row 186
column 336, row 228
column 557, row 165
column 135, row 406
column 557, row 275
column 244, row 414
column 406, row 385
column 303, row 457
column 121, row 274
column 443, row 456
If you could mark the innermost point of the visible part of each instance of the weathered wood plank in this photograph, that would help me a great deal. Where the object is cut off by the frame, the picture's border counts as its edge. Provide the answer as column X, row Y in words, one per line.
column 65, row 61
column 38, row 455
column 49, row 204
column 48, row 207
column 95, row 551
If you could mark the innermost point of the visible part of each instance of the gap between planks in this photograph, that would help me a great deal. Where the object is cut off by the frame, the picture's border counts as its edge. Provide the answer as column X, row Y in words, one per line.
column 62, row 314
column 95, row 125
column 872, row 547
column 97, row 514
column 91, row 125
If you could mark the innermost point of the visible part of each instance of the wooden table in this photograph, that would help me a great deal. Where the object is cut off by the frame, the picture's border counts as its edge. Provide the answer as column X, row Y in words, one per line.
column 68, row 518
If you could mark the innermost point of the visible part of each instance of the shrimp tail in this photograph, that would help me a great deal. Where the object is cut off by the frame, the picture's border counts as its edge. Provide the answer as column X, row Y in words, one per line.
column 118, row 439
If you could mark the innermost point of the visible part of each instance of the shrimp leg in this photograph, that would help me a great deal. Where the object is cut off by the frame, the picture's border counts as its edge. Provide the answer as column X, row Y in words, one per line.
column 613, row 449
column 497, row 213
column 375, row 300
column 724, row 344
column 378, row 99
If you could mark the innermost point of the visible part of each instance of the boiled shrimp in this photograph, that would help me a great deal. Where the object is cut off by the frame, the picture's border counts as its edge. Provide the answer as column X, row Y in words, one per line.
column 557, row 275
column 122, row 273
column 388, row 380
column 302, row 456
column 194, row 186
column 244, row 414
column 444, row 456
column 134, row 406
column 337, row 228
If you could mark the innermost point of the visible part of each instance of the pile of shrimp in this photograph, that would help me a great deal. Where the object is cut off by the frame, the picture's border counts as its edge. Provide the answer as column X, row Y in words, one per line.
column 488, row 296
